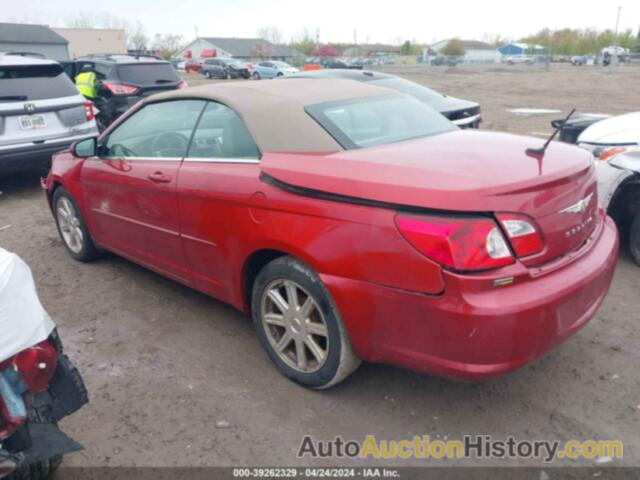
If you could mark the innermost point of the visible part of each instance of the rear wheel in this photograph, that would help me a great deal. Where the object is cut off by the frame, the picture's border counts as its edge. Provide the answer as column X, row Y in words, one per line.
column 299, row 325
column 634, row 238
column 72, row 228
column 208, row 75
column 40, row 470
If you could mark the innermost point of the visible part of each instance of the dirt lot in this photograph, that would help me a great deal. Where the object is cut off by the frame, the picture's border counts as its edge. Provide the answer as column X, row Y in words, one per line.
column 166, row 365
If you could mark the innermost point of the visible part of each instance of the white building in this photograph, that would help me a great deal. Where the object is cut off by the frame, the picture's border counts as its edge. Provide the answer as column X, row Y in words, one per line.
column 85, row 41
column 475, row 51
column 241, row 48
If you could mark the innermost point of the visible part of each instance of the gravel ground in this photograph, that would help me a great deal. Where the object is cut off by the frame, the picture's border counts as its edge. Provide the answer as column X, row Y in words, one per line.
column 179, row 379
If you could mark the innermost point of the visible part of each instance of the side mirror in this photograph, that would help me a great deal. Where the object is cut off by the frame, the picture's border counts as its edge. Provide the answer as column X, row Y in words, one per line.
column 85, row 148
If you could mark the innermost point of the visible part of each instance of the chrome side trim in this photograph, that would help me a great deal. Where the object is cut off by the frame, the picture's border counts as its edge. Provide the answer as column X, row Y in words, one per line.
column 222, row 160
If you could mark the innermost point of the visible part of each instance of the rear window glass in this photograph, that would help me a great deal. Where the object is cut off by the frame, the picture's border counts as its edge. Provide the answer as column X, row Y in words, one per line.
column 148, row 74
column 34, row 82
column 370, row 121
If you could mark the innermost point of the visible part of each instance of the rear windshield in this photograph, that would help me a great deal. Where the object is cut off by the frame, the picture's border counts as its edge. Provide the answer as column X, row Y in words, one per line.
column 34, row 82
column 148, row 74
column 370, row 121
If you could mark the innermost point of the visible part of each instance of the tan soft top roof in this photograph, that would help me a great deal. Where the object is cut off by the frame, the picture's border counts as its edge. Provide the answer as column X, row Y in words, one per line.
column 274, row 109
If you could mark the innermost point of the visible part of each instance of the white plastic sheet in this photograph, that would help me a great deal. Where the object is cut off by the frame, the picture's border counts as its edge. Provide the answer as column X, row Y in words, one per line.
column 23, row 320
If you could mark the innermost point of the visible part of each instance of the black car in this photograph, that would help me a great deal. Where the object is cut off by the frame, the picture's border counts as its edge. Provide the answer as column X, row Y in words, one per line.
column 123, row 80
column 571, row 130
column 464, row 113
column 224, row 68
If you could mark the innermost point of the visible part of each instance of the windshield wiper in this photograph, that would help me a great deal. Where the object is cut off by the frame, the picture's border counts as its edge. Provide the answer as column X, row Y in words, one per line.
column 17, row 98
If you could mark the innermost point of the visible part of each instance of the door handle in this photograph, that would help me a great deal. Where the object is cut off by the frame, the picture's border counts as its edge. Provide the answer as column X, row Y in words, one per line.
column 159, row 177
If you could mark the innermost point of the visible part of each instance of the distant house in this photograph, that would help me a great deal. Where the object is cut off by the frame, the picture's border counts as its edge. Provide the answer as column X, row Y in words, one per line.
column 19, row 37
column 475, row 51
column 85, row 41
column 521, row 49
column 240, row 48
column 371, row 50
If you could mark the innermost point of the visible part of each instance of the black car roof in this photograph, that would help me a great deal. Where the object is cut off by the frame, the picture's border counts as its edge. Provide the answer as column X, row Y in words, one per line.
column 348, row 74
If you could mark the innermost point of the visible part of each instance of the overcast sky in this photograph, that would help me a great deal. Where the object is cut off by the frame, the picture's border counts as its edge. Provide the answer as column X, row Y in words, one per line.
column 374, row 20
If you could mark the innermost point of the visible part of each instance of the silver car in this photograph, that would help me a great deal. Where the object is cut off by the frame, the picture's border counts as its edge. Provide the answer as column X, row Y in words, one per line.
column 41, row 112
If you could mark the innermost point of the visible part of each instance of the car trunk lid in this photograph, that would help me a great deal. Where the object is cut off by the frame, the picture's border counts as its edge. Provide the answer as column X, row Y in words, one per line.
column 462, row 171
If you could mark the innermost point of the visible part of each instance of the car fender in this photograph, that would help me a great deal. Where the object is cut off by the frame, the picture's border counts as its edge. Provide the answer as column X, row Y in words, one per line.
column 609, row 179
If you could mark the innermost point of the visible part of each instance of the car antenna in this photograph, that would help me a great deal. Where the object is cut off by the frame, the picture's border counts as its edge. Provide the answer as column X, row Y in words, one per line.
column 539, row 152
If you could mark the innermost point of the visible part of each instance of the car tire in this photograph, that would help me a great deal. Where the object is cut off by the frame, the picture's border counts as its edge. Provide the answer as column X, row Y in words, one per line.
column 40, row 470
column 228, row 76
column 634, row 238
column 320, row 329
column 256, row 76
column 279, row 74
column 72, row 228
column 208, row 75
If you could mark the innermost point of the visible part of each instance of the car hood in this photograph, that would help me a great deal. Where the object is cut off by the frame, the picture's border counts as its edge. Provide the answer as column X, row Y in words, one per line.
column 623, row 129
column 628, row 161
column 462, row 170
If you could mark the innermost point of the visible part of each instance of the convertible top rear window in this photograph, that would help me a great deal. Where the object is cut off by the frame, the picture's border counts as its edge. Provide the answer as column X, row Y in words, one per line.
column 380, row 120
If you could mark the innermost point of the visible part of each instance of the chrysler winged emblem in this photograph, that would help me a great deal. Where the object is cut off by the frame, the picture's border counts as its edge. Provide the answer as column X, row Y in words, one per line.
column 580, row 206
column 29, row 107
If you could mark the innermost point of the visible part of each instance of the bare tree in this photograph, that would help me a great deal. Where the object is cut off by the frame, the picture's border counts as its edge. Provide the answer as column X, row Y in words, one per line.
column 137, row 39
column 167, row 44
column 271, row 34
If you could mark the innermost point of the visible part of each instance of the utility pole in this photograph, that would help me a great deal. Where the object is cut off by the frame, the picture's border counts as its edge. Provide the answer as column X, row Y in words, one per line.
column 615, row 42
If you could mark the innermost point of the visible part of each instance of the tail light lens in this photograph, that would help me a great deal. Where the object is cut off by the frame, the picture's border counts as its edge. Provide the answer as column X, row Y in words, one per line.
column 182, row 84
column 36, row 366
column 88, row 106
column 120, row 88
column 523, row 234
column 459, row 243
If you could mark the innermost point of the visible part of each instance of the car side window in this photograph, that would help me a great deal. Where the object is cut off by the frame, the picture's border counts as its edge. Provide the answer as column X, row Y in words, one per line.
column 158, row 130
column 222, row 134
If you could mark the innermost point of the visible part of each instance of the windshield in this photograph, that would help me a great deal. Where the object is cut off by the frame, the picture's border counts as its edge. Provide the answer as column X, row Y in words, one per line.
column 282, row 64
column 423, row 94
column 34, row 82
column 148, row 73
column 370, row 121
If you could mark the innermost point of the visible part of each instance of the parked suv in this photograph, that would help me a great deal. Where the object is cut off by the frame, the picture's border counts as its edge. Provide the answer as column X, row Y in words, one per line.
column 123, row 80
column 41, row 112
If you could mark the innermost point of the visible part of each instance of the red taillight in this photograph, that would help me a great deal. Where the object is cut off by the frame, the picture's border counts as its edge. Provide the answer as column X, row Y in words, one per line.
column 120, row 88
column 460, row 243
column 36, row 366
column 182, row 84
column 523, row 234
column 88, row 106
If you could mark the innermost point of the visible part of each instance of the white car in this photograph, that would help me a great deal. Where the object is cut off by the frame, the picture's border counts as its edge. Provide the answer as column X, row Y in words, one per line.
column 619, row 192
column 620, row 131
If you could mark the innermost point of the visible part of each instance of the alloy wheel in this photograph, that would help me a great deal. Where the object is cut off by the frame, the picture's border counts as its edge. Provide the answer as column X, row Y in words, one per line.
column 69, row 224
column 295, row 325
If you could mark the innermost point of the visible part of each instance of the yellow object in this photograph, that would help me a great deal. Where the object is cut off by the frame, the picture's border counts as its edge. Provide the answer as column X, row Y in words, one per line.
column 86, row 84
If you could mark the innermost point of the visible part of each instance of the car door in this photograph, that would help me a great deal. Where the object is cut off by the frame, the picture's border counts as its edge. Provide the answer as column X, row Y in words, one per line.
column 217, row 179
column 130, row 188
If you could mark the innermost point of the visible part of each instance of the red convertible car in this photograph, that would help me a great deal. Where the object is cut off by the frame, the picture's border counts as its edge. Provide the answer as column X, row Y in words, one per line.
column 352, row 222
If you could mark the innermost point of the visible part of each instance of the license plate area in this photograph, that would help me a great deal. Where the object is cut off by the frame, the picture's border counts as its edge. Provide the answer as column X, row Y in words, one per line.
column 32, row 122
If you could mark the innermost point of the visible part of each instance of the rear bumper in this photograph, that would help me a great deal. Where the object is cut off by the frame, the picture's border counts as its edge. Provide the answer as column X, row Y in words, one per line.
column 34, row 155
column 474, row 331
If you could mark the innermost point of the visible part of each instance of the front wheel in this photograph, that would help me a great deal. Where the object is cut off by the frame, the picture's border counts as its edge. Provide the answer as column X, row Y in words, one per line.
column 256, row 76
column 208, row 75
column 72, row 227
column 634, row 238
column 299, row 325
